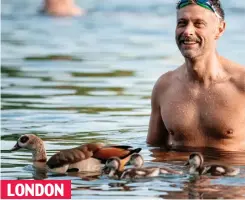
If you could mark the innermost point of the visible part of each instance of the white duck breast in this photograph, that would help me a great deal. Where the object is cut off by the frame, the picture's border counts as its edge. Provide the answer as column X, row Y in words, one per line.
column 219, row 170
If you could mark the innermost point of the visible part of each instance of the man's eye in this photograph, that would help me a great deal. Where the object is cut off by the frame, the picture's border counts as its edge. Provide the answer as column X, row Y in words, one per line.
column 199, row 24
column 181, row 24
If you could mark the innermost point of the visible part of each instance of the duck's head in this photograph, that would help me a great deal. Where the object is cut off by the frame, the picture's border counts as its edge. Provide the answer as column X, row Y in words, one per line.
column 112, row 166
column 27, row 141
column 136, row 160
column 195, row 160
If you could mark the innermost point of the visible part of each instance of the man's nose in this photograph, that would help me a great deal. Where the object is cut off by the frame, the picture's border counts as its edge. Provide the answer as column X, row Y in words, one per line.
column 189, row 30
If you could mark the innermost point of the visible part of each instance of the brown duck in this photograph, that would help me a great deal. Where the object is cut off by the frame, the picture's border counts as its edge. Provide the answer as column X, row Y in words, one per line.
column 86, row 157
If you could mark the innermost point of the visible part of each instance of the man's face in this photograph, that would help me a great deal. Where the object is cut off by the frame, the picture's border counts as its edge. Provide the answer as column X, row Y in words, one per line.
column 196, row 31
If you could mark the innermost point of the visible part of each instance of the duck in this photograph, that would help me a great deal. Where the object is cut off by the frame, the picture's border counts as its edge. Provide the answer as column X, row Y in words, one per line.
column 114, row 167
column 87, row 157
column 197, row 167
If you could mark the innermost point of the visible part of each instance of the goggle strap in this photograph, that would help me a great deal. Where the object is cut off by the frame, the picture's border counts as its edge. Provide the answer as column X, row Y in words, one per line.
column 183, row 5
column 202, row 5
column 205, row 6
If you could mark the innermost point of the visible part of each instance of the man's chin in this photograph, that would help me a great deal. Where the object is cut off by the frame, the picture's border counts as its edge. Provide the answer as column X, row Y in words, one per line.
column 189, row 54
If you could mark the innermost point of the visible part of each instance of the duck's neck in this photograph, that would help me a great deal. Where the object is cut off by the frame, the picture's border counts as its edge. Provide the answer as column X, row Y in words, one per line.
column 200, row 169
column 116, row 174
column 39, row 153
column 196, row 170
column 119, row 174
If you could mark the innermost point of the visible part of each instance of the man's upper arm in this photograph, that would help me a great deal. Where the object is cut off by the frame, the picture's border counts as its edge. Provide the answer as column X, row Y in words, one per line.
column 243, row 81
column 157, row 133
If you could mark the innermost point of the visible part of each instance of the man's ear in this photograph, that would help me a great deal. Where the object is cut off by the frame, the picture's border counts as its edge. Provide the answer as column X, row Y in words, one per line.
column 221, row 29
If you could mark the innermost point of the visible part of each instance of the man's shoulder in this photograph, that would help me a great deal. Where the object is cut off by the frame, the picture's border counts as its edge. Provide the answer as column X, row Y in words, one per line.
column 166, row 81
column 167, row 78
column 236, row 71
column 232, row 66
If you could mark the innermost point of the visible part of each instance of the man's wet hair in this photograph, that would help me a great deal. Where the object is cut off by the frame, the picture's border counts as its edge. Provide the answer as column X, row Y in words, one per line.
column 219, row 9
column 216, row 4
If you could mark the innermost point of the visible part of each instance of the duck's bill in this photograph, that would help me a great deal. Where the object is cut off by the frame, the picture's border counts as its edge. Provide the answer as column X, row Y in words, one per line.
column 187, row 163
column 15, row 147
column 105, row 170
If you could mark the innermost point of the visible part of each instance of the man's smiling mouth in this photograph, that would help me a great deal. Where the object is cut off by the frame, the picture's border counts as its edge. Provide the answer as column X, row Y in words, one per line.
column 189, row 42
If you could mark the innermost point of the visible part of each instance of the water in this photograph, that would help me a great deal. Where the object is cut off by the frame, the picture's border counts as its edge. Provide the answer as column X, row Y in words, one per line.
column 85, row 79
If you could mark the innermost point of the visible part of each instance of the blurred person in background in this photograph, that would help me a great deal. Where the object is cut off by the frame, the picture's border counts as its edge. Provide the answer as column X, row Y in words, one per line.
column 61, row 8
column 202, row 102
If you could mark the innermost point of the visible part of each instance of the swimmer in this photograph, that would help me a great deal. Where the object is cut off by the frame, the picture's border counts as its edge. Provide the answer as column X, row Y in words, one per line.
column 61, row 8
column 202, row 102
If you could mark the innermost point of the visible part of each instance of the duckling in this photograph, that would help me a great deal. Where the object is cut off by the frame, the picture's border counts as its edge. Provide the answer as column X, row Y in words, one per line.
column 86, row 157
column 114, row 167
column 138, row 161
column 196, row 163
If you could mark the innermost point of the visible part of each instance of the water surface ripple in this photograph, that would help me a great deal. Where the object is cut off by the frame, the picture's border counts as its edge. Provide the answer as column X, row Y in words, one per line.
column 86, row 79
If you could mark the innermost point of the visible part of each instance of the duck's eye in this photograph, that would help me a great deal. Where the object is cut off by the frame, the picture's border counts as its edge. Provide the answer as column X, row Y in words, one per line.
column 108, row 162
column 24, row 139
column 106, row 170
column 192, row 156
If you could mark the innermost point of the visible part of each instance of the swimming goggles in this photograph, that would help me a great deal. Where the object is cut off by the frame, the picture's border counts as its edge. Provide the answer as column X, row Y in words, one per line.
column 203, row 3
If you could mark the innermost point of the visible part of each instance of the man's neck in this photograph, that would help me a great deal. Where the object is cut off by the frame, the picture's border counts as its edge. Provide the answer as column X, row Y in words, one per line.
column 205, row 69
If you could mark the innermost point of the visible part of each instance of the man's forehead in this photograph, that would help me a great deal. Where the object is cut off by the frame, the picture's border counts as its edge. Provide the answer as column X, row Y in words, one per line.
column 195, row 12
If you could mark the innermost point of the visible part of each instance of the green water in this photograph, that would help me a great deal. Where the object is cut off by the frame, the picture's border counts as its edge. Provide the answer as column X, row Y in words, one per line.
column 85, row 79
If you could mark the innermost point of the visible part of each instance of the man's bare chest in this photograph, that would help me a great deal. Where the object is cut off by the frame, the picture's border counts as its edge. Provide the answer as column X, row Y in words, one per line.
column 218, row 114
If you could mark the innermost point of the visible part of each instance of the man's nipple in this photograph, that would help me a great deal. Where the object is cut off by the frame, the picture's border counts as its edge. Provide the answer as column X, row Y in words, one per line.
column 229, row 132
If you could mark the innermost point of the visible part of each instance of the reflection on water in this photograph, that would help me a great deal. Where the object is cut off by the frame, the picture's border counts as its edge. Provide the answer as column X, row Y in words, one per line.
column 205, row 188
column 87, row 79
column 211, row 155
column 165, row 186
column 53, row 57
